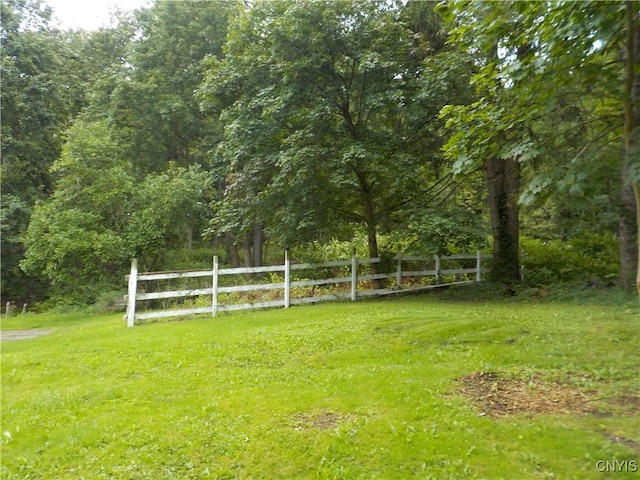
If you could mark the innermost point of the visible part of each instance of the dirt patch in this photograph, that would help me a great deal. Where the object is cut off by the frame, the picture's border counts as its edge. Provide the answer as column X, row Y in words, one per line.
column 325, row 420
column 499, row 395
column 11, row 335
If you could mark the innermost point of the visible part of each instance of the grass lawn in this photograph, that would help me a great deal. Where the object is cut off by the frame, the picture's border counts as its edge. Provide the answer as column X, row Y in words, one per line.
column 415, row 387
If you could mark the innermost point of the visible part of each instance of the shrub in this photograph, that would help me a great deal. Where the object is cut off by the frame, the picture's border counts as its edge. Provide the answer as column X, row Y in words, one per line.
column 194, row 259
column 591, row 258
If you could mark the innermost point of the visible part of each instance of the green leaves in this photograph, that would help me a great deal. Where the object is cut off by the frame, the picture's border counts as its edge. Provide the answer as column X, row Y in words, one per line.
column 545, row 86
column 437, row 231
column 99, row 215
column 329, row 116
column 525, row 151
column 167, row 209
column 70, row 246
column 153, row 106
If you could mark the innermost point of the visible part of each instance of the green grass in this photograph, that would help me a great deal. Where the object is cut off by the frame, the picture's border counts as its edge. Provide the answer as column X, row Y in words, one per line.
column 363, row 390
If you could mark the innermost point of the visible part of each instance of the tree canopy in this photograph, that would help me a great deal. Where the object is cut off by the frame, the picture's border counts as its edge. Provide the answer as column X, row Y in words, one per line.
column 557, row 89
column 232, row 126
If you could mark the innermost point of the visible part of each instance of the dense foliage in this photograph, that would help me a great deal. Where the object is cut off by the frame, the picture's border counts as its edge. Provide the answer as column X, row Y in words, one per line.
column 239, row 126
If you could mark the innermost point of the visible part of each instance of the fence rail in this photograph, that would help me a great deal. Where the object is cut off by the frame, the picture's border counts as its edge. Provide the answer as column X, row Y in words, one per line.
column 354, row 280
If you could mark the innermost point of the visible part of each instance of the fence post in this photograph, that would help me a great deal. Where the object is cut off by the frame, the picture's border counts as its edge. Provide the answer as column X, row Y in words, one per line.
column 478, row 265
column 287, row 279
column 437, row 258
column 131, row 299
column 399, row 270
column 214, row 289
column 354, row 275
column 8, row 310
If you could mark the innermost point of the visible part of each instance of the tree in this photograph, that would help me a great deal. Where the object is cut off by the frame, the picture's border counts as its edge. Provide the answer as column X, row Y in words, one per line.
column 48, row 76
column 131, row 89
column 329, row 112
column 74, row 238
column 631, row 160
column 100, row 216
column 167, row 209
column 152, row 105
column 95, row 60
column 35, row 110
column 553, row 58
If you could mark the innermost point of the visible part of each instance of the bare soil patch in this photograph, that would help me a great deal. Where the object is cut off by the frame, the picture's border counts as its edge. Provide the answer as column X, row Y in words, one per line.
column 325, row 420
column 498, row 395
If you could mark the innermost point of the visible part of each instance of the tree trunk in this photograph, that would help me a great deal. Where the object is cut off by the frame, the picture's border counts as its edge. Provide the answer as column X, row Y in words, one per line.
column 246, row 248
column 188, row 238
column 232, row 250
column 629, row 233
column 372, row 234
column 369, row 219
column 258, row 242
column 636, row 191
column 503, row 182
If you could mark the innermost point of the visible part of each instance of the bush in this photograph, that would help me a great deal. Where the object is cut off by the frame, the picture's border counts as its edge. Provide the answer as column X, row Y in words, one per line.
column 195, row 259
column 591, row 258
column 110, row 301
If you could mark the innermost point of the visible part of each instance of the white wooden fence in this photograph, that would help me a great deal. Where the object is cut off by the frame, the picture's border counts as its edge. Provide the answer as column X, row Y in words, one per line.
column 353, row 279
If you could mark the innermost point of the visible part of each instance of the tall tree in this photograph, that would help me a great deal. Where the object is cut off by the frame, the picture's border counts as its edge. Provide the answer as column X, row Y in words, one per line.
column 629, row 256
column 47, row 78
column 153, row 104
column 74, row 238
column 328, row 111
column 35, row 111
column 572, row 60
column 34, row 108
column 100, row 216
column 134, row 84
